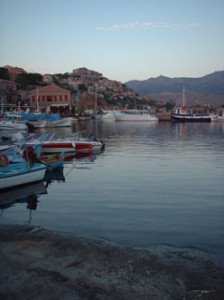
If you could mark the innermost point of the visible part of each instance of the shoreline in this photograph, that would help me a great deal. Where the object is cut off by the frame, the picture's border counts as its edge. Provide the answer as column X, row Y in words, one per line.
column 41, row 264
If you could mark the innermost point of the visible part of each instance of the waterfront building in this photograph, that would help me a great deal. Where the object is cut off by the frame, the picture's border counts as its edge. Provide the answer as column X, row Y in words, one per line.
column 51, row 97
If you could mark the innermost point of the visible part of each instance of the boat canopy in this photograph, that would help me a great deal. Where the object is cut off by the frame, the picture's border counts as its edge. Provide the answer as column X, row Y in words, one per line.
column 38, row 117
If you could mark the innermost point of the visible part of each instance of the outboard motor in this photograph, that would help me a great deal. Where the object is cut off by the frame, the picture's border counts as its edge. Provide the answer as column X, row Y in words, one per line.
column 31, row 127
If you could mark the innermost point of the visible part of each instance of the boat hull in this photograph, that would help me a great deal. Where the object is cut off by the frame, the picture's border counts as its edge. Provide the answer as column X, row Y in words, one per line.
column 52, row 161
column 13, row 179
column 191, row 118
column 58, row 147
column 66, row 122
column 8, row 125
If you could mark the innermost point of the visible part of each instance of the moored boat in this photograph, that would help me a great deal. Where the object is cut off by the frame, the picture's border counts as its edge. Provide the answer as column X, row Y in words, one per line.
column 184, row 113
column 72, row 143
column 64, row 122
column 187, row 114
column 52, row 161
column 16, row 174
column 134, row 115
column 164, row 115
column 219, row 117
column 63, row 146
column 12, row 124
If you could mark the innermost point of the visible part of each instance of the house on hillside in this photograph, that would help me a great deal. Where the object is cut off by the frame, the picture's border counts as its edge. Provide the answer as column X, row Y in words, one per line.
column 48, row 78
column 8, row 93
column 51, row 97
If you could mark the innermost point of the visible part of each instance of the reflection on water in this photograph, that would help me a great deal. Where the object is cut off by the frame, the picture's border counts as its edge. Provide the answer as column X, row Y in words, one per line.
column 155, row 183
column 22, row 194
column 25, row 194
column 30, row 193
column 56, row 174
column 80, row 157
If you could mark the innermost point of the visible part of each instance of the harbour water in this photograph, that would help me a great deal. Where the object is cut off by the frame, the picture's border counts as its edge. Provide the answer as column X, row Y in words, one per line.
column 155, row 184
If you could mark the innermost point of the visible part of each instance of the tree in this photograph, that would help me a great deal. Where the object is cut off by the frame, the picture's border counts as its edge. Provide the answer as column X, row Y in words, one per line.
column 169, row 106
column 25, row 79
column 4, row 74
column 82, row 88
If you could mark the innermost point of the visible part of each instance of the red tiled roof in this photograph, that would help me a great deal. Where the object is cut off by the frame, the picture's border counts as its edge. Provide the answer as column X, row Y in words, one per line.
column 50, row 89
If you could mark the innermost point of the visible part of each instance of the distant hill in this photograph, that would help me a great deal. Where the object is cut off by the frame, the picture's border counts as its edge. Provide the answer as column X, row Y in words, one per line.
column 208, row 89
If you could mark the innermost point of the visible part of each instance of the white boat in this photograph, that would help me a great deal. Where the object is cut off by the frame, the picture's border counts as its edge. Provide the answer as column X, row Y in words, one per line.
column 217, row 117
column 41, row 120
column 184, row 113
column 65, row 145
column 108, row 115
column 16, row 174
column 12, row 124
column 64, row 122
column 134, row 115
column 72, row 143
column 188, row 114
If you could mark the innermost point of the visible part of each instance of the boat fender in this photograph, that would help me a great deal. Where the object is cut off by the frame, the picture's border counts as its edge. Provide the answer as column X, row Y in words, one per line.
column 4, row 160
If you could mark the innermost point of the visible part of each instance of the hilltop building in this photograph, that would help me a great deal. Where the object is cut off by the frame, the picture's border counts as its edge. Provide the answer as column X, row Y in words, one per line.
column 8, row 93
column 14, row 72
column 48, row 78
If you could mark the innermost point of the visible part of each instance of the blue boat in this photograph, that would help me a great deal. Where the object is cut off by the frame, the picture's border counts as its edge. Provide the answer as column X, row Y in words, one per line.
column 16, row 174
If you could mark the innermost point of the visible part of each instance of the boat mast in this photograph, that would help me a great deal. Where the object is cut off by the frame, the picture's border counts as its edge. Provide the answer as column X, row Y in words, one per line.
column 96, row 103
column 184, row 97
column 37, row 100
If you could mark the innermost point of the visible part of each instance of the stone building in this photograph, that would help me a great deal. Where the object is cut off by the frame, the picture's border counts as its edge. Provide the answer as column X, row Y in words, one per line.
column 48, row 78
column 8, row 93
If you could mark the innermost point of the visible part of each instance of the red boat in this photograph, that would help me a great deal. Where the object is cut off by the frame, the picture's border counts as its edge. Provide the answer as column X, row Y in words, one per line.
column 65, row 146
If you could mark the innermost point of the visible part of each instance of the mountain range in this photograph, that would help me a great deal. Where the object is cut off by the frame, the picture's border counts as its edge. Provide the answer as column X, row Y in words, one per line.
column 208, row 89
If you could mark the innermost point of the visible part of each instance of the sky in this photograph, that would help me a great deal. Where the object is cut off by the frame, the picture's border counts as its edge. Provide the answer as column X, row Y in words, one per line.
column 122, row 39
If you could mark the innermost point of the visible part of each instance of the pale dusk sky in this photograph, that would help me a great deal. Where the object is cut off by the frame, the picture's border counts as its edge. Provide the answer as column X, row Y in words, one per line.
column 123, row 39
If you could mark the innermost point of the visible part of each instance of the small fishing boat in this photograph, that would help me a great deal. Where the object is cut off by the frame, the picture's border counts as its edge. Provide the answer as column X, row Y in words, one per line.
column 73, row 143
column 45, row 120
column 12, row 124
column 7, row 148
column 63, row 122
column 108, row 115
column 63, row 146
column 52, row 161
column 98, row 146
column 219, row 117
column 184, row 113
column 16, row 174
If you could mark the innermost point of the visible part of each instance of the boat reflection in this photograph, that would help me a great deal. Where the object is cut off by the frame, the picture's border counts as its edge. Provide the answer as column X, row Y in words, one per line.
column 56, row 174
column 80, row 157
column 25, row 194
column 29, row 193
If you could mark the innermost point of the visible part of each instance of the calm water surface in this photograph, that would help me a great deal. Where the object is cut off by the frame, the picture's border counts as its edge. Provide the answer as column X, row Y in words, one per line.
column 156, row 183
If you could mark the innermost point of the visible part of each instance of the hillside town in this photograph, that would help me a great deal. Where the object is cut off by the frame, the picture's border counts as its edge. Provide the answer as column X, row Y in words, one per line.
column 64, row 93
column 83, row 91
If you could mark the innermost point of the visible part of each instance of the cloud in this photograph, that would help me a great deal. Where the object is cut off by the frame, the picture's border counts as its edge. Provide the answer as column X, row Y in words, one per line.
column 146, row 26
column 193, row 25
